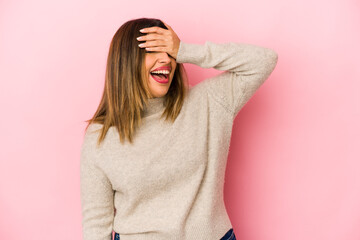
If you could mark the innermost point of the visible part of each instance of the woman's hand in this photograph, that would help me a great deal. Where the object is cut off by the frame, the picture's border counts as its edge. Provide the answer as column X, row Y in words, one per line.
column 160, row 40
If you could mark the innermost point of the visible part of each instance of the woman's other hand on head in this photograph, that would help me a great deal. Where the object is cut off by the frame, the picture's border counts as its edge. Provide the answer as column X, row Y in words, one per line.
column 159, row 39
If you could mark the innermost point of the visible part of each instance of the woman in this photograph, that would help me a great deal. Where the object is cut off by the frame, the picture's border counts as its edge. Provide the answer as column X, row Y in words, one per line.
column 154, row 154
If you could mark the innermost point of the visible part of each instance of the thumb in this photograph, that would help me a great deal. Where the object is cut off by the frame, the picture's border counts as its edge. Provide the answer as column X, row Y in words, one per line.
column 168, row 26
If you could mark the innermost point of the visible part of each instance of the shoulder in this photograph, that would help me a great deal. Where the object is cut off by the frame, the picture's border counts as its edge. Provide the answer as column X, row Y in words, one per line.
column 209, row 94
column 198, row 91
column 92, row 130
column 90, row 137
column 94, row 127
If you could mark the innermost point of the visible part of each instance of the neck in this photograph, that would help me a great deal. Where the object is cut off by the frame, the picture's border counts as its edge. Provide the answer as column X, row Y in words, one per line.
column 154, row 106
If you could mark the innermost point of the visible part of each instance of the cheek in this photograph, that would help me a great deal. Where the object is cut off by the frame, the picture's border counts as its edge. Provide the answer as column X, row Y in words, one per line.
column 173, row 66
column 149, row 62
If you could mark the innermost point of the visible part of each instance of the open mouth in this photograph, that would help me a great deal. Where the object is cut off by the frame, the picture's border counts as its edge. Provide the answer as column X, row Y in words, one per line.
column 161, row 76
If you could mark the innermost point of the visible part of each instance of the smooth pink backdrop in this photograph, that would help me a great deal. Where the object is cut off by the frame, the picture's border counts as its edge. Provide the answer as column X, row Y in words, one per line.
column 293, row 170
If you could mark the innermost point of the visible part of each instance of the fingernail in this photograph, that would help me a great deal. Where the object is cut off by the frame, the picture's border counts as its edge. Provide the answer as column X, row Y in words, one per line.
column 141, row 30
column 138, row 38
column 141, row 44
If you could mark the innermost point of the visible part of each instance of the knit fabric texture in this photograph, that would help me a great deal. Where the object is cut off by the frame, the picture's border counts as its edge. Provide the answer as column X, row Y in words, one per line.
column 169, row 183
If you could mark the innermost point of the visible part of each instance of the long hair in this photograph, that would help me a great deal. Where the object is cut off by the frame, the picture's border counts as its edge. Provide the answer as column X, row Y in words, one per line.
column 126, row 89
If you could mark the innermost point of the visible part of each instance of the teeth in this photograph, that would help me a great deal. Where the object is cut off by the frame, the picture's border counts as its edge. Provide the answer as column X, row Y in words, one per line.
column 162, row 72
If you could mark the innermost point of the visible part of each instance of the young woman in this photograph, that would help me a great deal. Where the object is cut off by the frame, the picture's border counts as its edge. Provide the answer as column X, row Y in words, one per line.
column 154, row 154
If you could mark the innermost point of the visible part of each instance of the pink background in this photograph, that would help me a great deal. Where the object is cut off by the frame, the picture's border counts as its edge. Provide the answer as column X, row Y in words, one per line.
column 293, row 170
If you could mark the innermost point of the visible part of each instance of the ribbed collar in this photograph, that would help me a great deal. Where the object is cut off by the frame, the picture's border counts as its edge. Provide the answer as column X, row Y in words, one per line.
column 155, row 105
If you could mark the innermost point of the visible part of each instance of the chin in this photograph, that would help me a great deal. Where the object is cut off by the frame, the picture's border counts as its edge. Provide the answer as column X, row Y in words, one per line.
column 158, row 93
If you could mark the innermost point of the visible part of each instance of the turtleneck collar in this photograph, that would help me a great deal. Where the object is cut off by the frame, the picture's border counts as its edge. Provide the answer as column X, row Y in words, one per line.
column 155, row 105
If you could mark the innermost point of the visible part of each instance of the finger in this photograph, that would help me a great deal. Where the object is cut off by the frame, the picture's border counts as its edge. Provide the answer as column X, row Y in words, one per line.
column 156, row 49
column 152, row 29
column 168, row 26
column 150, row 36
column 156, row 43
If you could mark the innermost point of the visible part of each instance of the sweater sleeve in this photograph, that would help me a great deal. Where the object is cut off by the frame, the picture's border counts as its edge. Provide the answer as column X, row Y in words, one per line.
column 246, row 68
column 96, row 197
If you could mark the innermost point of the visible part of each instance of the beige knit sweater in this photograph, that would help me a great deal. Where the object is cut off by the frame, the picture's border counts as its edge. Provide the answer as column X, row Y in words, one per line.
column 169, row 183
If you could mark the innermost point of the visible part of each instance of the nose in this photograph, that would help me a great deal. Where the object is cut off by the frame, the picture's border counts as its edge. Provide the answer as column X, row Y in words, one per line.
column 163, row 57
